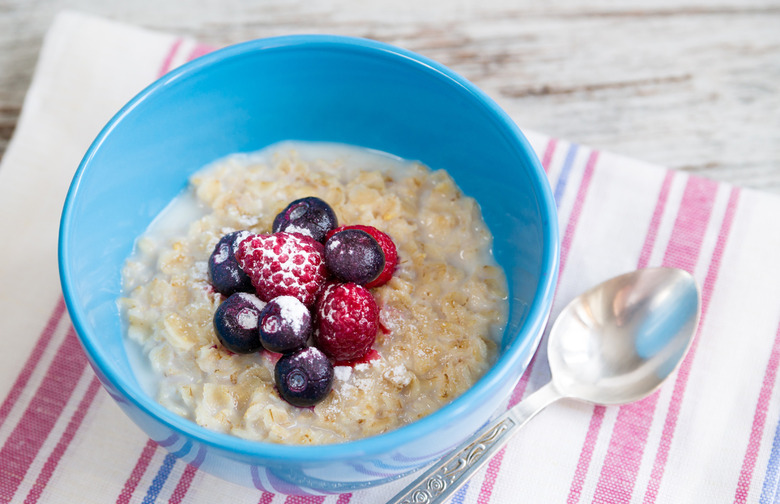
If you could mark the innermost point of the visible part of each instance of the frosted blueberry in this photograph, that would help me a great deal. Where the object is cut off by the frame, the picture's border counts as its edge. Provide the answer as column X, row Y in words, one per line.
column 285, row 324
column 237, row 323
column 305, row 377
column 225, row 274
column 353, row 255
column 308, row 216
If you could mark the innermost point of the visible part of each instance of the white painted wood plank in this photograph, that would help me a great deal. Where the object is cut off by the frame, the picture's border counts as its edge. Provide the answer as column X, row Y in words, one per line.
column 690, row 84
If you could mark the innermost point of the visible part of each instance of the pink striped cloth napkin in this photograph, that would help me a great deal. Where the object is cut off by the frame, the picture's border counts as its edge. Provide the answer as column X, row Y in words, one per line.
column 712, row 434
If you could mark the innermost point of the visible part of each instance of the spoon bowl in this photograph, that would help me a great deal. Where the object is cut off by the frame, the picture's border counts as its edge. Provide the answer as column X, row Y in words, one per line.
column 614, row 344
column 617, row 342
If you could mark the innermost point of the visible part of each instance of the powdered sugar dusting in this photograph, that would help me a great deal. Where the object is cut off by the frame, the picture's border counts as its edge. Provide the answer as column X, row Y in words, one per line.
column 342, row 373
column 241, row 236
column 251, row 298
column 293, row 311
column 292, row 228
column 223, row 252
column 247, row 318
column 353, row 378
column 327, row 312
column 398, row 375
column 309, row 353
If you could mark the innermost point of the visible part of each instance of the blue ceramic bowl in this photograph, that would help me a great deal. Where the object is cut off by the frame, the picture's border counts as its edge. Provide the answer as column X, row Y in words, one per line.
column 315, row 88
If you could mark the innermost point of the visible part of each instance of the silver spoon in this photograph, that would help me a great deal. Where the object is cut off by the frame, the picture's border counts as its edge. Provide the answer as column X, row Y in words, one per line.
column 614, row 344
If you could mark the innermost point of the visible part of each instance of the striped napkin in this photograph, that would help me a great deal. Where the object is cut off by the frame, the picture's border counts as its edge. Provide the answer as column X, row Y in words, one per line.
column 711, row 434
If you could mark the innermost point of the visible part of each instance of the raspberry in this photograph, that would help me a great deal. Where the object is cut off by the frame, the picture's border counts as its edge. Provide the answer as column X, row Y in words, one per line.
column 283, row 264
column 388, row 247
column 347, row 321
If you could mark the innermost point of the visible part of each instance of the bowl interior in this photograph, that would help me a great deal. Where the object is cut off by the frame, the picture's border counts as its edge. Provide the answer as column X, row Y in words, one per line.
column 246, row 97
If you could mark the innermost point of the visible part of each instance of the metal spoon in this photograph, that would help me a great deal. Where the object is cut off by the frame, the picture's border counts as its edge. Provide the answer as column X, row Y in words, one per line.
column 614, row 344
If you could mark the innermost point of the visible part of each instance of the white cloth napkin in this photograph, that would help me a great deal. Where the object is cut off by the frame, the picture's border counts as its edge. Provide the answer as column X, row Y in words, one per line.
column 711, row 434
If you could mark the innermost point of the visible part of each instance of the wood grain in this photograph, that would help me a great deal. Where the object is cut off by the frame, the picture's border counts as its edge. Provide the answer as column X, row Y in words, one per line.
column 692, row 84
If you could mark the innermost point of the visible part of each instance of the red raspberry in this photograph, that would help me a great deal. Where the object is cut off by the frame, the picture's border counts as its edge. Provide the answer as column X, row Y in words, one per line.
column 347, row 321
column 283, row 264
column 388, row 247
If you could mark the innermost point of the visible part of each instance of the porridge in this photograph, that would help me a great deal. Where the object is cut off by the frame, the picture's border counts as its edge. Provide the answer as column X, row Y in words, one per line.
column 439, row 312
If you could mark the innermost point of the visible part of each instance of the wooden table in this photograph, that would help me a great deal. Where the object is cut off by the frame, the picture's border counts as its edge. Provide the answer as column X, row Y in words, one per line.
column 689, row 84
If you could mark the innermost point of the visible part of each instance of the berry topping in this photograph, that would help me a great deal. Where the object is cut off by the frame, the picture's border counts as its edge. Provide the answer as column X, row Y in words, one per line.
column 283, row 264
column 347, row 318
column 225, row 274
column 354, row 256
column 388, row 247
column 308, row 216
column 285, row 324
column 304, row 378
column 237, row 321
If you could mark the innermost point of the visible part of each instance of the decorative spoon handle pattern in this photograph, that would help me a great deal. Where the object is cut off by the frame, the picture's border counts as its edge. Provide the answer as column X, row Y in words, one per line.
column 448, row 474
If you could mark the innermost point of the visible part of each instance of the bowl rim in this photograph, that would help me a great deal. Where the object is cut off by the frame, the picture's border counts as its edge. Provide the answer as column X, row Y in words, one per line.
column 537, row 311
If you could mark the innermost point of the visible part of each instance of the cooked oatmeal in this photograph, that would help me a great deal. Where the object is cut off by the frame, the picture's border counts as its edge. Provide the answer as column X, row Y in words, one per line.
column 441, row 314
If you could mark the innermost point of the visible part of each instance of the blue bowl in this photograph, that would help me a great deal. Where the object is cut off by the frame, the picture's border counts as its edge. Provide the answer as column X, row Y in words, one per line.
column 310, row 88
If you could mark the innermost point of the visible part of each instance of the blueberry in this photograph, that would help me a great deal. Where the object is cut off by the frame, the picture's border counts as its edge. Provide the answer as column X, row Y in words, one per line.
column 237, row 322
column 225, row 274
column 353, row 255
column 309, row 216
column 304, row 377
column 285, row 324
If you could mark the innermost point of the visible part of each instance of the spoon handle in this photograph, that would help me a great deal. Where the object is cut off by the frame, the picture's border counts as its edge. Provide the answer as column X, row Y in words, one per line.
column 446, row 475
